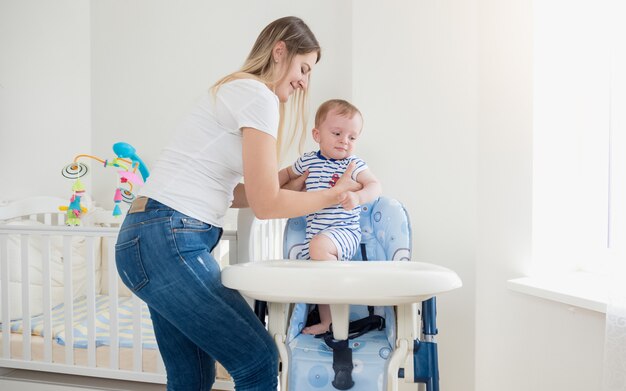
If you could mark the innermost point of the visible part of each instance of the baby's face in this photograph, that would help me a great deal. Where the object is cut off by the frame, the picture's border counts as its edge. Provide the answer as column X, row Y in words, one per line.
column 337, row 135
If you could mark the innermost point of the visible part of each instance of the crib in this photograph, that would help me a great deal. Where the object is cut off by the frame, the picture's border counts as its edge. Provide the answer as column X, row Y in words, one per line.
column 60, row 283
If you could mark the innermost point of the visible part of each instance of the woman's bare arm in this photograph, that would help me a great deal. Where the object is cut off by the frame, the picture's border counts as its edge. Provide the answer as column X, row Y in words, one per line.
column 262, row 186
column 287, row 179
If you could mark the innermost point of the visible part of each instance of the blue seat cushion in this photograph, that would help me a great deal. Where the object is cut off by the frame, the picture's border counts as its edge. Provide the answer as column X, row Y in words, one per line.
column 312, row 362
column 386, row 235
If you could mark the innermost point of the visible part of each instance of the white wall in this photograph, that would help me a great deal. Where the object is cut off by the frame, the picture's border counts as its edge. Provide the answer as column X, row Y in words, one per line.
column 78, row 76
column 45, row 116
column 415, row 77
column 153, row 59
column 522, row 343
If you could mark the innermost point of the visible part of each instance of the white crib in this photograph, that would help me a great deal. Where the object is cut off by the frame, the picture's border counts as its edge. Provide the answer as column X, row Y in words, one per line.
column 60, row 282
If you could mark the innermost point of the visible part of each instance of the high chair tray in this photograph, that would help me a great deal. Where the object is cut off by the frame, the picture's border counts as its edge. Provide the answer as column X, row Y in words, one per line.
column 336, row 282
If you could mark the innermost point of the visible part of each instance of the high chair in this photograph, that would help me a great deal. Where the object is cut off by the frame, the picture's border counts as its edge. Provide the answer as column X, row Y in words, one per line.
column 376, row 337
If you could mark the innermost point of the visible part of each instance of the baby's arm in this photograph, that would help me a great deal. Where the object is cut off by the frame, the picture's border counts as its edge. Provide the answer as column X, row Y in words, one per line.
column 370, row 191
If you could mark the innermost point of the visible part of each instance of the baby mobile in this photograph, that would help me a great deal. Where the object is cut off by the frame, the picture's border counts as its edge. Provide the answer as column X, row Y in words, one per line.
column 126, row 161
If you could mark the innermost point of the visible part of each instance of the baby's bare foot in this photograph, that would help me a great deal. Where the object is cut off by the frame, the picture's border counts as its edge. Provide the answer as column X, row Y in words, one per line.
column 319, row 328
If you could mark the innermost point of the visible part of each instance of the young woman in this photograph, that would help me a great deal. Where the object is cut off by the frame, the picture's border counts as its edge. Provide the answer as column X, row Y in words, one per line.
column 163, row 251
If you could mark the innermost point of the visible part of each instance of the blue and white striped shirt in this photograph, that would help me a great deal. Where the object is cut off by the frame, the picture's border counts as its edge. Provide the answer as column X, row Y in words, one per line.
column 323, row 173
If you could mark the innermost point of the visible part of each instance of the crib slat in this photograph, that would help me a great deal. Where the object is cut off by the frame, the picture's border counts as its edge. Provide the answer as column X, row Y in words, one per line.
column 264, row 242
column 91, row 303
column 68, row 300
column 265, row 234
column 4, row 284
column 47, row 298
column 160, row 367
column 113, row 302
column 272, row 238
column 26, row 321
column 232, row 252
column 276, row 239
column 137, row 345
column 254, row 241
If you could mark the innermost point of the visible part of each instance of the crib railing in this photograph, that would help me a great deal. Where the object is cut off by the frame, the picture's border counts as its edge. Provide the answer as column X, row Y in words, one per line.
column 99, row 249
column 259, row 239
column 40, row 237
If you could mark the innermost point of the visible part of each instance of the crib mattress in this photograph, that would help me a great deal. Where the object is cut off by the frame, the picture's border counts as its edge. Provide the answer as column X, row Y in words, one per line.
column 149, row 356
column 102, row 322
column 102, row 340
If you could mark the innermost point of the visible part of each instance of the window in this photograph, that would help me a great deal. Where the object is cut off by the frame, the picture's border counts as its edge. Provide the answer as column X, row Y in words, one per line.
column 579, row 135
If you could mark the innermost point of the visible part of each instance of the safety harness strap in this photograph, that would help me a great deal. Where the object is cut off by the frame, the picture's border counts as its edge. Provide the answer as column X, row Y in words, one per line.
column 342, row 354
column 342, row 363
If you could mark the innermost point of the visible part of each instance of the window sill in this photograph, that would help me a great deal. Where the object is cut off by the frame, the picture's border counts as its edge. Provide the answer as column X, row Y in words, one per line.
column 579, row 289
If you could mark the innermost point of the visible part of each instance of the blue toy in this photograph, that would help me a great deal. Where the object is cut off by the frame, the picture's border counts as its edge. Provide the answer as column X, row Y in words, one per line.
column 126, row 151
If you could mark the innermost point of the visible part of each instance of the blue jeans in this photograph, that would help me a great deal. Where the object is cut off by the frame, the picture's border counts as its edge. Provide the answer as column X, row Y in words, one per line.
column 165, row 258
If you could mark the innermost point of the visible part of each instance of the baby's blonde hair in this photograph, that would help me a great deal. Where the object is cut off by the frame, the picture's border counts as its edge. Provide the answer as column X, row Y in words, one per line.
column 298, row 39
column 341, row 107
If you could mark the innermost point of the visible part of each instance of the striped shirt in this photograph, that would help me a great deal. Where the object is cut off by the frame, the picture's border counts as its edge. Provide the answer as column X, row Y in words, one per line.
column 323, row 174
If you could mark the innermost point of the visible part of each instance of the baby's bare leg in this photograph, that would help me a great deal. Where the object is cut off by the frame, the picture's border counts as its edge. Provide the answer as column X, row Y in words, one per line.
column 321, row 248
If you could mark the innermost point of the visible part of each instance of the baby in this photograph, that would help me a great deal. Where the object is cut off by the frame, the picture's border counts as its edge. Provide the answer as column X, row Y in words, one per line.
column 333, row 233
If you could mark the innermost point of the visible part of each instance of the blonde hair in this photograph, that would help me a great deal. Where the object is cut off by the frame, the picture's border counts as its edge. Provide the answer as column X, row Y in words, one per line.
column 298, row 39
column 341, row 107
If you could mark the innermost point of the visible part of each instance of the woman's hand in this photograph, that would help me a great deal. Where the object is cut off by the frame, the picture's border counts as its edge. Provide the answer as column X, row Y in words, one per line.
column 350, row 201
column 297, row 184
column 346, row 185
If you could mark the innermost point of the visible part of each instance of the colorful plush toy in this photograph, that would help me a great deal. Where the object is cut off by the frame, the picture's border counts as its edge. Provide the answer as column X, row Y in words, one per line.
column 75, row 209
column 127, row 177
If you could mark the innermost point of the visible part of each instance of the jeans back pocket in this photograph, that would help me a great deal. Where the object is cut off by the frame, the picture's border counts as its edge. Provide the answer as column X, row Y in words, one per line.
column 129, row 265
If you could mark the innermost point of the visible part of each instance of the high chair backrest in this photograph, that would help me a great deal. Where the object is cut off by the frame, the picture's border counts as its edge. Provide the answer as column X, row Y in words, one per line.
column 385, row 232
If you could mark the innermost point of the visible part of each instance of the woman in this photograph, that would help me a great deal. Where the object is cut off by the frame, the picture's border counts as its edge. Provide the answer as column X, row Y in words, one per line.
column 163, row 249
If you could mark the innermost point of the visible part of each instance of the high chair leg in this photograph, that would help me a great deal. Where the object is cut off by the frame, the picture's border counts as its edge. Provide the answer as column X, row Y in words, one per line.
column 426, row 361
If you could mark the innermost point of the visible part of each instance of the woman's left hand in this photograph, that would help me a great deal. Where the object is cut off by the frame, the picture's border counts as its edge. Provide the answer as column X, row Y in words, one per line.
column 297, row 184
column 351, row 201
column 346, row 183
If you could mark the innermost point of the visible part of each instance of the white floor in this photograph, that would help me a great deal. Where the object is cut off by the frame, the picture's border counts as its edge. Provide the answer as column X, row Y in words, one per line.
column 22, row 380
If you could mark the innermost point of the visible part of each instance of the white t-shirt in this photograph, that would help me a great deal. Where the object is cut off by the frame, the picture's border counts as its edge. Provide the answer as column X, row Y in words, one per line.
column 197, row 172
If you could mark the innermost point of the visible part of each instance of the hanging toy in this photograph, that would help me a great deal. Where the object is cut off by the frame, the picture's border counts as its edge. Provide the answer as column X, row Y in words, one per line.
column 75, row 210
column 125, row 150
column 117, row 199
column 126, row 159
